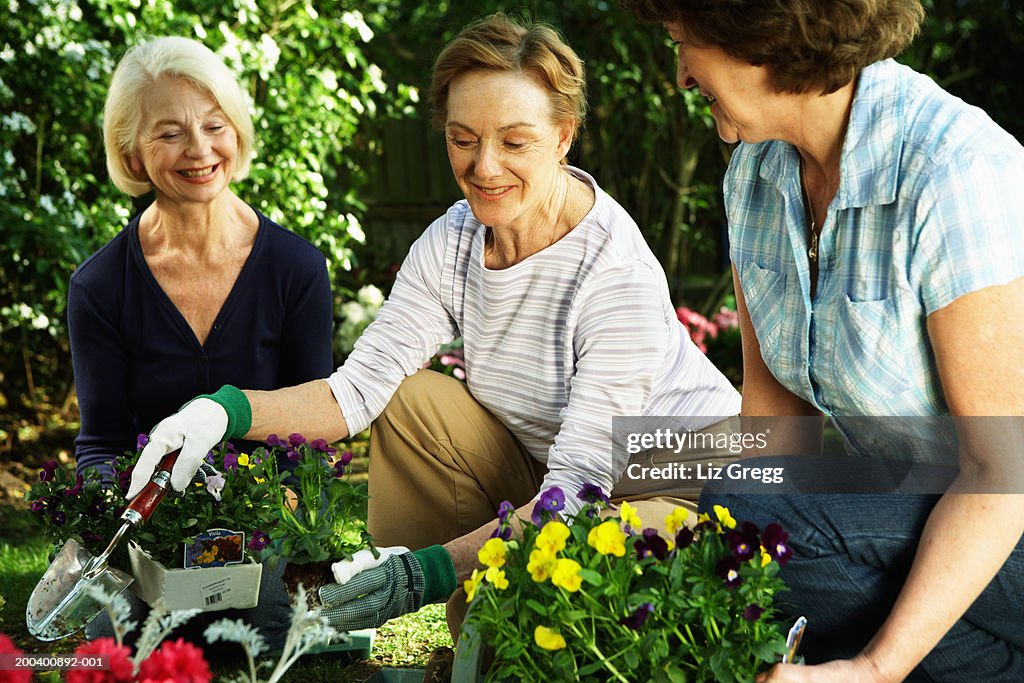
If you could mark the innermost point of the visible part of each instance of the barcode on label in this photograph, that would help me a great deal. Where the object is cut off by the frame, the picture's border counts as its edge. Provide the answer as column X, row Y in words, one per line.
column 213, row 599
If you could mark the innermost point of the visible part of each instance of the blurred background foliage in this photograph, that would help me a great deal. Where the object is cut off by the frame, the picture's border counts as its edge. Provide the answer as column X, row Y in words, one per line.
column 345, row 155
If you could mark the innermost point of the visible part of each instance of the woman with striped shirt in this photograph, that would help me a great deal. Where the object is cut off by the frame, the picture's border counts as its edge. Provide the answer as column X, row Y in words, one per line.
column 566, row 322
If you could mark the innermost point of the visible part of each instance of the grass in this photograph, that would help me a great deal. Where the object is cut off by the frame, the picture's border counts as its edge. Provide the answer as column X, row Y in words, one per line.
column 402, row 643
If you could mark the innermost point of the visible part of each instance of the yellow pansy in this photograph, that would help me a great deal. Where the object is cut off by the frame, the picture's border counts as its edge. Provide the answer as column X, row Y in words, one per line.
column 766, row 559
column 724, row 517
column 492, row 554
column 552, row 537
column 676, row 520
column 496, row 577
column 259, row 480
column 243, row 460
column 608, row 539
column 541, row 565
column 628, row 515
column 471, row 584
column 567, row 575
column 547, row 638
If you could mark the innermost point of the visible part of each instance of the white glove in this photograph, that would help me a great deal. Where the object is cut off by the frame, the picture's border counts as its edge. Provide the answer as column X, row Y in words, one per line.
column 195, row 429
column 363, row 560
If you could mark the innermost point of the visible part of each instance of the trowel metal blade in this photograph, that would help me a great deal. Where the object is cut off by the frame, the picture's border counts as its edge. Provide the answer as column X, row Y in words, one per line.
column 63, row 601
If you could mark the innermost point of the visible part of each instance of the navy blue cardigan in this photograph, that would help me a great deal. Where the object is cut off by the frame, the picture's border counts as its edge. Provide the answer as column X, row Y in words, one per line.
column 136, row 360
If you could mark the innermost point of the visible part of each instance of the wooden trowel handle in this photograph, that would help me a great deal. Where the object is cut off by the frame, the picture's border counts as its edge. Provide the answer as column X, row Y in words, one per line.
column 141, row 508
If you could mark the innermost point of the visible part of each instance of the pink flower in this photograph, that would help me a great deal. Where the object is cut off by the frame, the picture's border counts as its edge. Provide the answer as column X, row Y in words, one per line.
column 118, row 656
column 7, row 647
column 726, row 319
column 176, row 661
column 699, row 327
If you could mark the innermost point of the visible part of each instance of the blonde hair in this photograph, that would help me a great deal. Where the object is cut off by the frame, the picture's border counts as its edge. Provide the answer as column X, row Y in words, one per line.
column 138, row 70
column 498, row 43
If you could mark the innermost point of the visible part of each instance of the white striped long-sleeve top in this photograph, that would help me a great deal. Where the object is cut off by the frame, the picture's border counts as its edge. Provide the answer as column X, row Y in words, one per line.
column 555, row 346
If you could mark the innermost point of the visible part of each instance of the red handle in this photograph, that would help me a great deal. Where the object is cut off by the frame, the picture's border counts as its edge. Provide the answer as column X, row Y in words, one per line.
column 150, row 496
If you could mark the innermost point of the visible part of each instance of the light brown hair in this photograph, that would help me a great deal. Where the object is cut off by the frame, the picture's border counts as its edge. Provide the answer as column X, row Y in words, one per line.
column 500, row 44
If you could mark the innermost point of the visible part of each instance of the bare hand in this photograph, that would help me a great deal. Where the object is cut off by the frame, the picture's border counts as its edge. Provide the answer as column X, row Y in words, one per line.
column 860, row 669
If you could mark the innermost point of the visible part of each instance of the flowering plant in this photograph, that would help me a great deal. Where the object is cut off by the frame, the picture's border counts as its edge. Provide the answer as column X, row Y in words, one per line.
column 235, row 495
column 602, row 597
column 324, row 517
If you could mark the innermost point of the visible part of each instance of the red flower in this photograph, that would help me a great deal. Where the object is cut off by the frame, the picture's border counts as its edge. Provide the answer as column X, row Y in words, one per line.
column 118, row 656
column 176, row 661
column 7, row 647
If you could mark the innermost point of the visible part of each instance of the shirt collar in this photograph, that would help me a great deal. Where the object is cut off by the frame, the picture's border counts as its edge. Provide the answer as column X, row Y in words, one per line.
column 869, row 165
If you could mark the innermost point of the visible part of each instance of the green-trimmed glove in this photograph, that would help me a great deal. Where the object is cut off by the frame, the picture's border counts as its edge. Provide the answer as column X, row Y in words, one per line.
column 399, row 583
column 201, row 424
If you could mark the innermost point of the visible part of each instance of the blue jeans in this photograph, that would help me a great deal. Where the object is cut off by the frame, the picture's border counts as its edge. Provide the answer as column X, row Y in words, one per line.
column 851, row 556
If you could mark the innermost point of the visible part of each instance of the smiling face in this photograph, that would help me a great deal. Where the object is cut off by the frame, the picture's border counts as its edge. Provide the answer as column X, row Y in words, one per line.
column 503, row 146
column 186, row 145
column 742, row 95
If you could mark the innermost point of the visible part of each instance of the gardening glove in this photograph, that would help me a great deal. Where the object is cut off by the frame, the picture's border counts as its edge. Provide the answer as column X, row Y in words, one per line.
column 399, row 582
column 200, row 425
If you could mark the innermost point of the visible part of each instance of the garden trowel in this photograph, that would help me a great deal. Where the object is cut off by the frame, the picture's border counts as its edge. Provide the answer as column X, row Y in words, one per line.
column 64, row 600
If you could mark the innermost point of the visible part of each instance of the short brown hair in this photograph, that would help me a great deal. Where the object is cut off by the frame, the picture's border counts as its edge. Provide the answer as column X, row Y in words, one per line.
column 807, row 44
column 499, row 43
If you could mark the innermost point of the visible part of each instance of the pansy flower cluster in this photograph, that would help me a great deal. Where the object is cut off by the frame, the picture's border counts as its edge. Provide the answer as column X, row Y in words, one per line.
column 321, row 512
column 586, row 590
column 231, row 491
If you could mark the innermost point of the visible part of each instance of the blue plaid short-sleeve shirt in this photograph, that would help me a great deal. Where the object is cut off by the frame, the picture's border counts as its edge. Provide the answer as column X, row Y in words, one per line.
column 929, row 208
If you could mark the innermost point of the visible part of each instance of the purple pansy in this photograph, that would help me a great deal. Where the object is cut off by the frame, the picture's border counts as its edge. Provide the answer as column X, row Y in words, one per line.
column 141, row 440
column 684, row 538
column 774, row 538
column 322, row 446
column 49, row 471
column 274, row 440
column 258, row 541
column 339, row 468
column 38, row 505
column 592, row 493
column 729, row 569
column 345, row 458
column 743, row 543
column 77, row 488
column 550, row 502
column 124, row 479
column 97, row 509
column 504, row 529
column 230, row 462
column 639, row 616
column 650, row 544
column 753, row 612
column 296, row 439
column 58, row 517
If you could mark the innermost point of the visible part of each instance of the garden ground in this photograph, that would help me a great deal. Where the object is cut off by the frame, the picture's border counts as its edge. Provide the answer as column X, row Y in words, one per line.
column 403, row 643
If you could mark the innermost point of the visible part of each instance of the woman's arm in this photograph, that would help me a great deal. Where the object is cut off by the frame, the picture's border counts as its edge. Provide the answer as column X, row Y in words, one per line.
column 769, row 407
column 978, row 342
column 100, row 366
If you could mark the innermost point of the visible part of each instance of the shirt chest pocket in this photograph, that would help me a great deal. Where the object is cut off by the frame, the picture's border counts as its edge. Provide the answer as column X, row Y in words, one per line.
column 868, row 355
column 764, row 292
